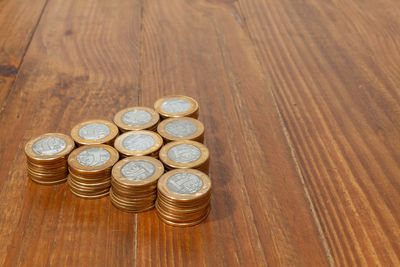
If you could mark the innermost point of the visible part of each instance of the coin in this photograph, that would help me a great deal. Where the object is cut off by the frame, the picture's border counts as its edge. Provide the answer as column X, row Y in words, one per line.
column 177, row 106
column 94, row 132
column 138, row 143
column 177, row 129
column 136, row 118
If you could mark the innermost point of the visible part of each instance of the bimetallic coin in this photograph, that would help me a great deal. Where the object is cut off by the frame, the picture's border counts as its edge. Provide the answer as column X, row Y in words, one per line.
column 94, row 131
column 136, row 117
column 184, row 183
column 184, row 153
column 138, row 142
column 93, row 157
column 138, row 170
column 49, row 146
column 180, row 128
column 175, row 105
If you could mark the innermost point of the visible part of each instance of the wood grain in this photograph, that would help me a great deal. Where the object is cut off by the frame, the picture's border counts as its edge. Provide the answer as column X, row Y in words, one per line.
column 333, row 68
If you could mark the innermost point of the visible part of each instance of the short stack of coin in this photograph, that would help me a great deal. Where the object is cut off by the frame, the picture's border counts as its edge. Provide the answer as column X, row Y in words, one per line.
column 47, row 158
column 177, row 106
column 138, row 143
column 134, row 183
column 137, row 118
column 90, row 170
column 183, row 197
column 185, row 154
column 184, row 128
column 94, row 132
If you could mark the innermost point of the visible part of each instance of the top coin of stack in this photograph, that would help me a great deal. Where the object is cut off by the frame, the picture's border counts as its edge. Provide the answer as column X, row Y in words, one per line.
column 137, row 118
column 177, row 106
column 139, row 143
column 94, row 132
column 184, row 128
column 47, row 158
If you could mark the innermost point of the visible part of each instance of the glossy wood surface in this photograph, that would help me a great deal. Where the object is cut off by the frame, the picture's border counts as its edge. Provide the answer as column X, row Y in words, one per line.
column 300, row 102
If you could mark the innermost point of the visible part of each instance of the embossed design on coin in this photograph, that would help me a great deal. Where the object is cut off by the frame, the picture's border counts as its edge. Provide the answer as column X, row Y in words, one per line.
column 138, row 170
column 138, row 142
column 184, row 153
column 180, row 128
column 93, row 157
column 184, row 183
column 49, row 146
column 175, row 105
column 94, row 131
column 136, row 117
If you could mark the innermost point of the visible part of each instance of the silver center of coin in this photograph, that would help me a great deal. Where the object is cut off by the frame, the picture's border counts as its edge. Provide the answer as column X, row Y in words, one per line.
column 184, row 153
column 138, row 170
column 93, row 157
column 94, row 131
column 180, row 128
column 136, row 117
column 175, row 105
column 184, row 183
column 49, row 146
column 138, row 142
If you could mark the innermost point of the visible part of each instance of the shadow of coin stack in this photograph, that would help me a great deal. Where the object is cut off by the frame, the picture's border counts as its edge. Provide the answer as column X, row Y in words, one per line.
column 90, row 170
column 183, row 197
column 134, row 183
column 47, row 158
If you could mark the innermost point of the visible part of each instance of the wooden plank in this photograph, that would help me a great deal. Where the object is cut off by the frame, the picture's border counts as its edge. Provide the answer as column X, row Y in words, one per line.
column 260, row 214
column 334, row 71
column 18, row 20
column 83, row 63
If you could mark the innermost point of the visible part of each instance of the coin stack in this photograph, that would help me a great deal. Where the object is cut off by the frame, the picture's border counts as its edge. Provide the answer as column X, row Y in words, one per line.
column 90, row 170
column 47, row 158
column 139, row 143
column 134, row 183
column 94, row 132
column 177, row 106
column 137, row 118
column 183, row 197
column 185, row 154
column 184, row 128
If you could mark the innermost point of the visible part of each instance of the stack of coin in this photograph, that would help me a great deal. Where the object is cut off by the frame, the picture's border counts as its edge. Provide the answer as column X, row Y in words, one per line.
column 185, row 154
column 134, row 183
column 47, row 158
column 137, row 118
column 183, row 197
column 90, row 170
column 139, row 143
column 177, row 106
column 184, row 128
column 94, row 132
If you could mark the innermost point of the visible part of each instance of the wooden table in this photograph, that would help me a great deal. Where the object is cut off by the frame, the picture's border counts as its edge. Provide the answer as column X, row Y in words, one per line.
column 300, row 100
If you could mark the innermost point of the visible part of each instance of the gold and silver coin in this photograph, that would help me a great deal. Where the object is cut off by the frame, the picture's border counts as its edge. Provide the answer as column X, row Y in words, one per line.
column 94, row 132
column 183, row 197
column 137, row 118
column 184, row 128
column 90, row 170
column 134, row 183
column 47, row 158
column 139, row 143
column 177, row 106
column 185, row 154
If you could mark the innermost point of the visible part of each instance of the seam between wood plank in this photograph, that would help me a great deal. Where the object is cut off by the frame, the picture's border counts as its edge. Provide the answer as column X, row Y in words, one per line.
column 135, row 240
column 12, row 85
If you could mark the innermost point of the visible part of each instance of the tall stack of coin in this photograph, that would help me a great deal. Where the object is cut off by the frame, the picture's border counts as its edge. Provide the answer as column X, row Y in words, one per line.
column 47, row 158
column 138, row 143
column 177, row 106
column 90, row 170
column 134, row 183
column 137, row 118
column 183, row 197
column 185, row 154
column 94, row 132
column 183, row 128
